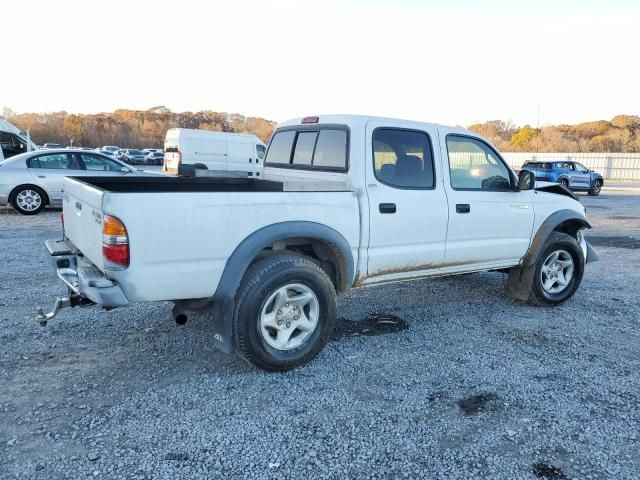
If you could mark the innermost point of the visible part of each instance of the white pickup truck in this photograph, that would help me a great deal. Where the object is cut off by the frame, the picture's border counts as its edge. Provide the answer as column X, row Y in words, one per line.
column 344, row 202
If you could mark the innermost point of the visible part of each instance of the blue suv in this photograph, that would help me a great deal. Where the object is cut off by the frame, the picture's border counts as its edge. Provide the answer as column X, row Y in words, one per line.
column 571, row 175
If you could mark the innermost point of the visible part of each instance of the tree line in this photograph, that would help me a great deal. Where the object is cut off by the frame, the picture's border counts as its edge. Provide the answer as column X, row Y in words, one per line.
column 147, row 128
column 130, row 128
column 620, row 134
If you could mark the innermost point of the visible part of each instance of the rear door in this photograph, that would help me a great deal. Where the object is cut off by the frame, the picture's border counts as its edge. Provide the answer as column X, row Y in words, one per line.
column 50, row 169
column 490, row 223
column 407, row 203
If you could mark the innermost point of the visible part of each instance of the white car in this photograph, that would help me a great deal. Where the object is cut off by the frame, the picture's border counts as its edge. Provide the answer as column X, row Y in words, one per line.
column 345, row 201
column 32, row 180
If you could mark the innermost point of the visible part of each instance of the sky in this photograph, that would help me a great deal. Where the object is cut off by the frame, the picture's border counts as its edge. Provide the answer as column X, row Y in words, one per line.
column 447, row 61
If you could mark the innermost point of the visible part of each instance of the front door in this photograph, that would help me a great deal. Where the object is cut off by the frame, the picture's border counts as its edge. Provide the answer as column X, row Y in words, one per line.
column 490, row 224
column 582, row 177
column 407, row 202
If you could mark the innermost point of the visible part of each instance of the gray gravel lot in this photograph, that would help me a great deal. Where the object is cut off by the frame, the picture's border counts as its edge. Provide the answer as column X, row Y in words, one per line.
column 477, row 386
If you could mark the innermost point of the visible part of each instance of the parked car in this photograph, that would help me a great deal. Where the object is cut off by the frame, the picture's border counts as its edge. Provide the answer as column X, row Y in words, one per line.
column 345, row 201
column 155, row 158
column 51, row 146
column 31, row 180
column 133, row 156
column 187, row 150
column 110, row 148
column 108, row 153
column 572, row 175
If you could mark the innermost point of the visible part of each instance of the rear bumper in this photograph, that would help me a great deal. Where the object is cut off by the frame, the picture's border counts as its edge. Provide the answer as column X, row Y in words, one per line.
column 82, row 277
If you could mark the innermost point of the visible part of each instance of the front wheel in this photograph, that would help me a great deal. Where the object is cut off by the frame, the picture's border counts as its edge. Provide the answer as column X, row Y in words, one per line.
column 28, row 200
column 564, row 182
column 285, row 312
column 558, row 270
column 596, row 186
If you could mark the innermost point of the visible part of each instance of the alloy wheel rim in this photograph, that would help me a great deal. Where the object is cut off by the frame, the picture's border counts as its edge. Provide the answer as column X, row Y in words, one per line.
column 289, row 316
column 29, row 200
column 557, row 272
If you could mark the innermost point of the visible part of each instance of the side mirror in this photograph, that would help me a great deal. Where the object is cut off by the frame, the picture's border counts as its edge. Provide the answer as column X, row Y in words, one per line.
column 125, row 170
column 526, row 180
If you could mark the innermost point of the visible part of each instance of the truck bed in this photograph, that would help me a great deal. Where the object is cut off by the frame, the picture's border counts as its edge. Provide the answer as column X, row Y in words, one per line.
column 162, row 184
column 182, row 230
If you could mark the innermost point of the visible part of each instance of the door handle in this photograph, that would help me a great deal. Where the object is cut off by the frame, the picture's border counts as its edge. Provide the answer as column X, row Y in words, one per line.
column 463, row 208
column 387, row 208
column 42, row 176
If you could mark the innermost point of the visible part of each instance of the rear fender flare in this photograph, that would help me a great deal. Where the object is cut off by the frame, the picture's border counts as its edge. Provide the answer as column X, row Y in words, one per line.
column 247, row 251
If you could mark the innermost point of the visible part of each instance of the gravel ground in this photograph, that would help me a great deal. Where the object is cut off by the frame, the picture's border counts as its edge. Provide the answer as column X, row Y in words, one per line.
column 475, row 386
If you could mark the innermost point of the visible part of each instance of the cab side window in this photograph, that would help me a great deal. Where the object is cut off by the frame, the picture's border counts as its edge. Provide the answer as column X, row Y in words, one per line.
column 403, row 158
column 473, row 165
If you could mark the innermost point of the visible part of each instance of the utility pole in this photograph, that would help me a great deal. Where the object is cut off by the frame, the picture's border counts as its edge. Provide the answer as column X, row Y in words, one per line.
column 538, row 130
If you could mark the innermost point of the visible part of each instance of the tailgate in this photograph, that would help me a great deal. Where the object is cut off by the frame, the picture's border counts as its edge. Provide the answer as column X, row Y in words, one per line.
column 82, row 208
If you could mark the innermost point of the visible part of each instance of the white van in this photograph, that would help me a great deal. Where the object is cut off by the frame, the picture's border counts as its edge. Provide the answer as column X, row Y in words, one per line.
column 13, row 141
column 188, row 150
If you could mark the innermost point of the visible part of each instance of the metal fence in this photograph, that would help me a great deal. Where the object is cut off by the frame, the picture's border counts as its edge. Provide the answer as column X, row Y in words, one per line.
column 613, row 166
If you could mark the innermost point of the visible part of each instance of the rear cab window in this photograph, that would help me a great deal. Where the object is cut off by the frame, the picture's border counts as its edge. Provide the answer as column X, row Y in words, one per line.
column 314, row 147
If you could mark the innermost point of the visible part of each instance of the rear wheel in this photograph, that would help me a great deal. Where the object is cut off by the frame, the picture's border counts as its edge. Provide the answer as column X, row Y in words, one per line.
column 28, row 200
column 564, row 182
column 285, row 312
column 596, row 186
column 558, row 270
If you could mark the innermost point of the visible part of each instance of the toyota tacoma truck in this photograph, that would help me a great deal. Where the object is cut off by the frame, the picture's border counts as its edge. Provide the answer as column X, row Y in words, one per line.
column 344, row 202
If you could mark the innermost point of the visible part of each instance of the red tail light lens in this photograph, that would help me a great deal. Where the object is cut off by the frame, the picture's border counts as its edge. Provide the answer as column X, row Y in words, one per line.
column 115, row 244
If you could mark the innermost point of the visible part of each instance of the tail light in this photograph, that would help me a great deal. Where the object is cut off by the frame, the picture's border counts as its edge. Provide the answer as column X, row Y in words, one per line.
column 115, row 244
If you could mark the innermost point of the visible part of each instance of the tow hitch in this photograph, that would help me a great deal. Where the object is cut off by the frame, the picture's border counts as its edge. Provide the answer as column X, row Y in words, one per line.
column 73, row 300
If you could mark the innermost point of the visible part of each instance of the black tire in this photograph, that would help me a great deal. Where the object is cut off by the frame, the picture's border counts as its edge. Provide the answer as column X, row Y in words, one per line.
column 262, row 279
column 596, row 186
column 37, row 191
column 557, row 241
column 564, row 182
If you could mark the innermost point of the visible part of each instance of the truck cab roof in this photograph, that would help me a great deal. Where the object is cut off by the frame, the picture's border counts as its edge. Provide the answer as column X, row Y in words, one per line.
column 349, row 119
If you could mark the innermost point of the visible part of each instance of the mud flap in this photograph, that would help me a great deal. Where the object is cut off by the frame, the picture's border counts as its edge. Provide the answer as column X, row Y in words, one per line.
column 222, row 324
column 520, row 282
